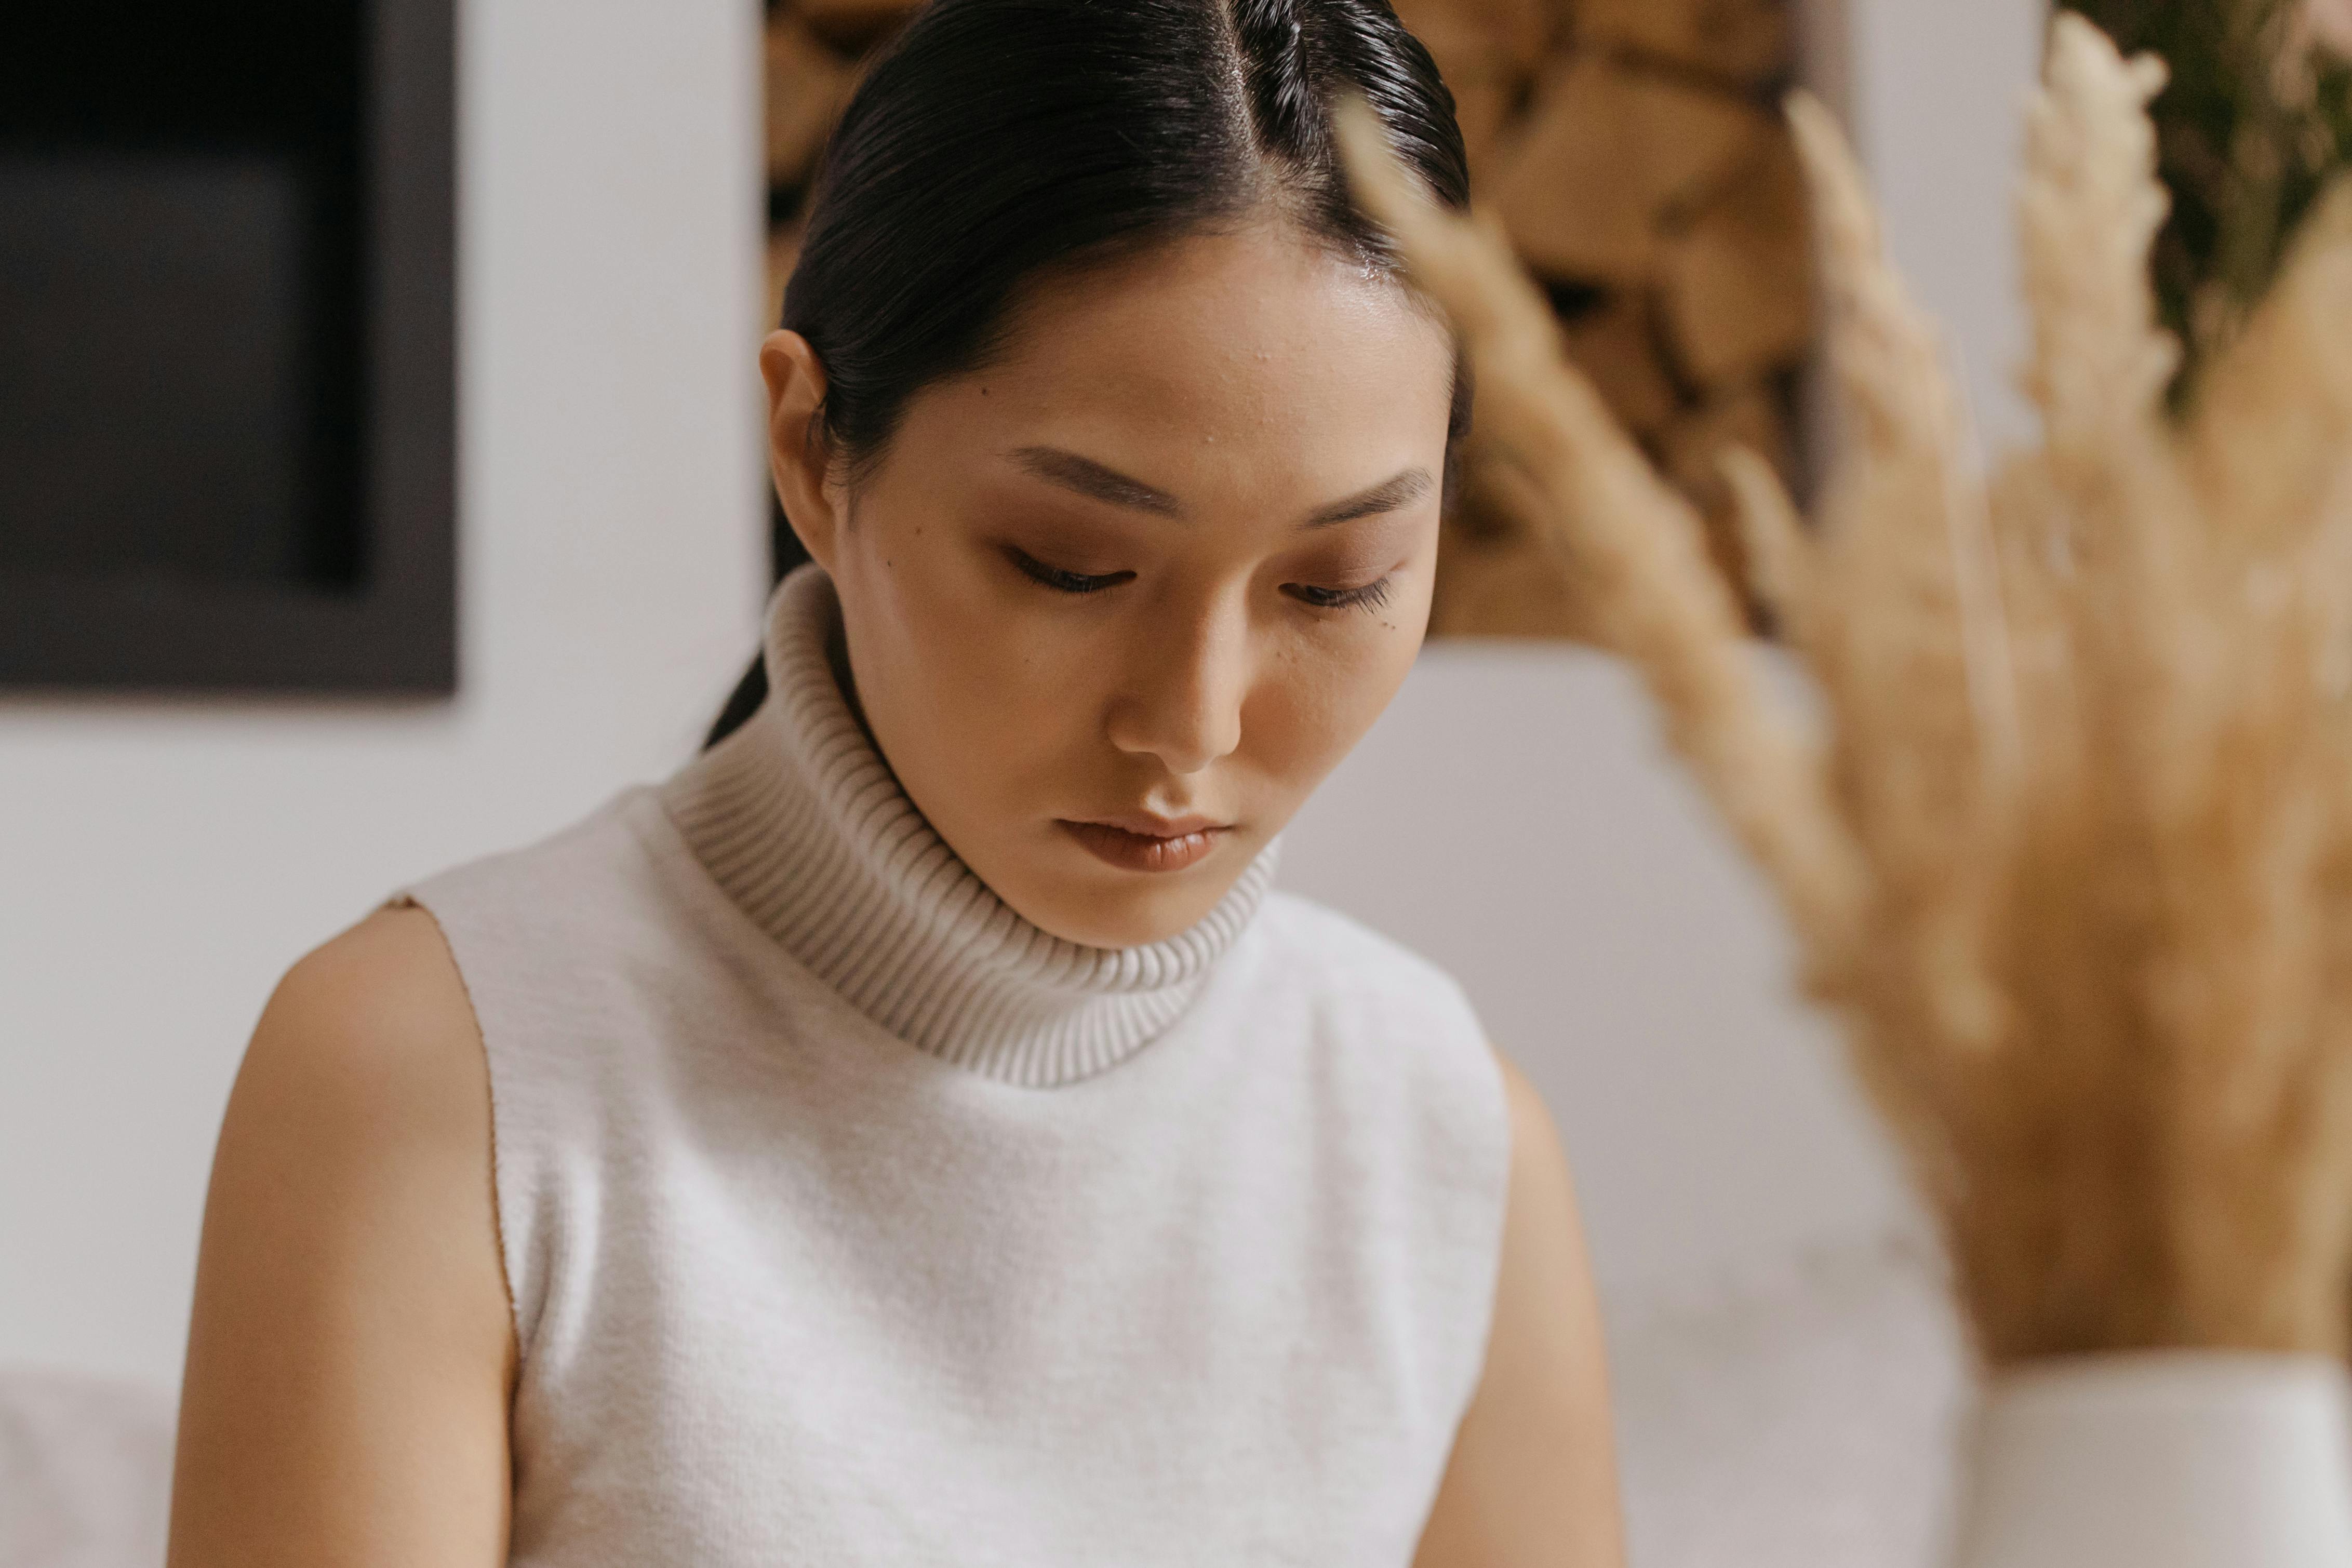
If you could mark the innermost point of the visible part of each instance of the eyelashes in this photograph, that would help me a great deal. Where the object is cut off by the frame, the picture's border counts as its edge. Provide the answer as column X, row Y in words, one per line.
column 1061, row 581
column 1370, row 596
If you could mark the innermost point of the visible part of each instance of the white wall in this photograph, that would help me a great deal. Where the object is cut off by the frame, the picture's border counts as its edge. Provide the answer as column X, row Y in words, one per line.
column 162, row 864
column 1935, row 94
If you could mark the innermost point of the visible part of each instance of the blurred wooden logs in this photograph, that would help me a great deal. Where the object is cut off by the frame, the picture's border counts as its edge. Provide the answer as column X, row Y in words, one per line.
column 1643, row 172
column 1499, row 579
column 1690, row 451
column 807, row 86
column 1487, row 50
column 1485, row 110
column 852, row 27
column 1507, row 587
column 1735, row 281
column 1609, row 154
column 1754, row 416
column 815, row 51
column 1743, row 41
column 1617, row 345
column 1469, row 38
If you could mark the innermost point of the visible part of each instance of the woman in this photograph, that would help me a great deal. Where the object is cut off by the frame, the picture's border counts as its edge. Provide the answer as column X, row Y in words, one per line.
column 913, row 1133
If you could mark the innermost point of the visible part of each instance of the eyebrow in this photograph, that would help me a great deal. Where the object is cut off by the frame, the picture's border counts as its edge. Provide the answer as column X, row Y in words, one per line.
column 1387, row 495
column 1089, row 478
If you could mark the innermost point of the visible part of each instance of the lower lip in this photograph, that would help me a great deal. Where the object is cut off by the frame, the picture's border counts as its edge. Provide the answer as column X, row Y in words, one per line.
column 1141, row 851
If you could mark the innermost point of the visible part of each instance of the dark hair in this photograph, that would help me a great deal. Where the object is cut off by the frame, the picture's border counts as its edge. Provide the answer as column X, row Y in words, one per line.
column 996, row 141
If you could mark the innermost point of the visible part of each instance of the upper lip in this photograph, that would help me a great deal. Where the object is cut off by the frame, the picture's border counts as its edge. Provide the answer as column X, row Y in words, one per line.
column 1143, row 824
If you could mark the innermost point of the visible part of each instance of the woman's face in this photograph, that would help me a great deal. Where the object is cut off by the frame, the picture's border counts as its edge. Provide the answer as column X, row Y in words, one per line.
column 1115, row 604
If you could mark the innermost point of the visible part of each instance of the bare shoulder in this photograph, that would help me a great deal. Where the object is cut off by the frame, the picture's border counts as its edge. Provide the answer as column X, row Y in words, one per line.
column 350, row 1351
column 1544, row 1300
column 1533, row 1476
column 379, row 1009
column 366, row 1064
column 1536, row 1152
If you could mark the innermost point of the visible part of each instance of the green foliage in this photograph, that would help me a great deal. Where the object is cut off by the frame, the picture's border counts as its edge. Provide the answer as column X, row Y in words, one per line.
column 2256, row 120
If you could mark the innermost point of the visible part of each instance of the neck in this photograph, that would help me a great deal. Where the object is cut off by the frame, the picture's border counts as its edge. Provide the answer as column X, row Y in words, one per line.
column 799, row 819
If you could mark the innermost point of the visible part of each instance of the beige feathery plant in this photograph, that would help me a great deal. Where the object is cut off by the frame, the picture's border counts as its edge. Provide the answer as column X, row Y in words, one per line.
column 2072, row 862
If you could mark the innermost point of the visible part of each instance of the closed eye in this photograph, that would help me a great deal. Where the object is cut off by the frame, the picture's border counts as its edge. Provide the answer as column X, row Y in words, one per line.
column 1061, row 581
column 1371, row 596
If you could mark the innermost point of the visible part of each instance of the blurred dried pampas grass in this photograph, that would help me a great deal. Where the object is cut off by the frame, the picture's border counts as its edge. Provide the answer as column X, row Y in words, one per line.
column 2073, row 863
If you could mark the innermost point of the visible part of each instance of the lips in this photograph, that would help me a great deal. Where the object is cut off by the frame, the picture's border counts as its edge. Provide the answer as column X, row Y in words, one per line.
column 1149, row 843
column 1145, row 825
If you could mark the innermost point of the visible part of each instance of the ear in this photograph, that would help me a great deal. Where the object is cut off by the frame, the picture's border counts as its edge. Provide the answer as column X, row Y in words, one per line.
column 798, row 454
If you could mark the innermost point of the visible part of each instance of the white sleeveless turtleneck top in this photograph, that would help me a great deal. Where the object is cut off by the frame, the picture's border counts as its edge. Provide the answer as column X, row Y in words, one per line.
column 850, row 1220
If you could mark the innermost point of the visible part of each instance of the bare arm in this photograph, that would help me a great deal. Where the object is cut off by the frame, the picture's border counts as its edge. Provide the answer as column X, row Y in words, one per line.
column 351, row 1353
column 1533, row 1481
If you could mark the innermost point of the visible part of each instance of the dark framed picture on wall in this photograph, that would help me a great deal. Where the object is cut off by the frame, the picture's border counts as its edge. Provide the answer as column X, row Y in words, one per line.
column 228, row 347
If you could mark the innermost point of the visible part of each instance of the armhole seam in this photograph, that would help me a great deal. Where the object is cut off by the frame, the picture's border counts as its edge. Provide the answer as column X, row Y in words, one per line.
column 407, row 900
column 1499, row 1100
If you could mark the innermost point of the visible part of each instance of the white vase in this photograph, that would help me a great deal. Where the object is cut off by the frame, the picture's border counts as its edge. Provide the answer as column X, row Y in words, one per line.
column 2163, row 1460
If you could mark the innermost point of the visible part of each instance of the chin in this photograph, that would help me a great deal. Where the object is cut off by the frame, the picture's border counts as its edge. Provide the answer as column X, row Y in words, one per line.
column 1122, row 917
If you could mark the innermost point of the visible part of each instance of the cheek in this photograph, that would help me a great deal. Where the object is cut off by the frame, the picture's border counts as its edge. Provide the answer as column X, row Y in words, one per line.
column 1311, row 706
column 995, row 693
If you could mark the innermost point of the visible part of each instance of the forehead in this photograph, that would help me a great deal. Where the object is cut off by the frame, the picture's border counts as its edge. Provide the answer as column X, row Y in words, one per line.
column 1260, row 347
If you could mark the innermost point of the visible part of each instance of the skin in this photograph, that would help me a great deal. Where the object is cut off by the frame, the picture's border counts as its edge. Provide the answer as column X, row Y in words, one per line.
column 1234, row 437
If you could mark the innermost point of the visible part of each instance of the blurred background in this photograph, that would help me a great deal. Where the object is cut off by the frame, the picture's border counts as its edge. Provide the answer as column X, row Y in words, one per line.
column 457, row 523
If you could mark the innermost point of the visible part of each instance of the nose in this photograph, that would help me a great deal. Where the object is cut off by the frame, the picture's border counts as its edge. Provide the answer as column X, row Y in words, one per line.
column 1181, row 700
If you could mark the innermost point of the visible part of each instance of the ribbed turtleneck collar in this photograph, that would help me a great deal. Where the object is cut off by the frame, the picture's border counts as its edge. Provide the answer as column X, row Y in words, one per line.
column 800, row 823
